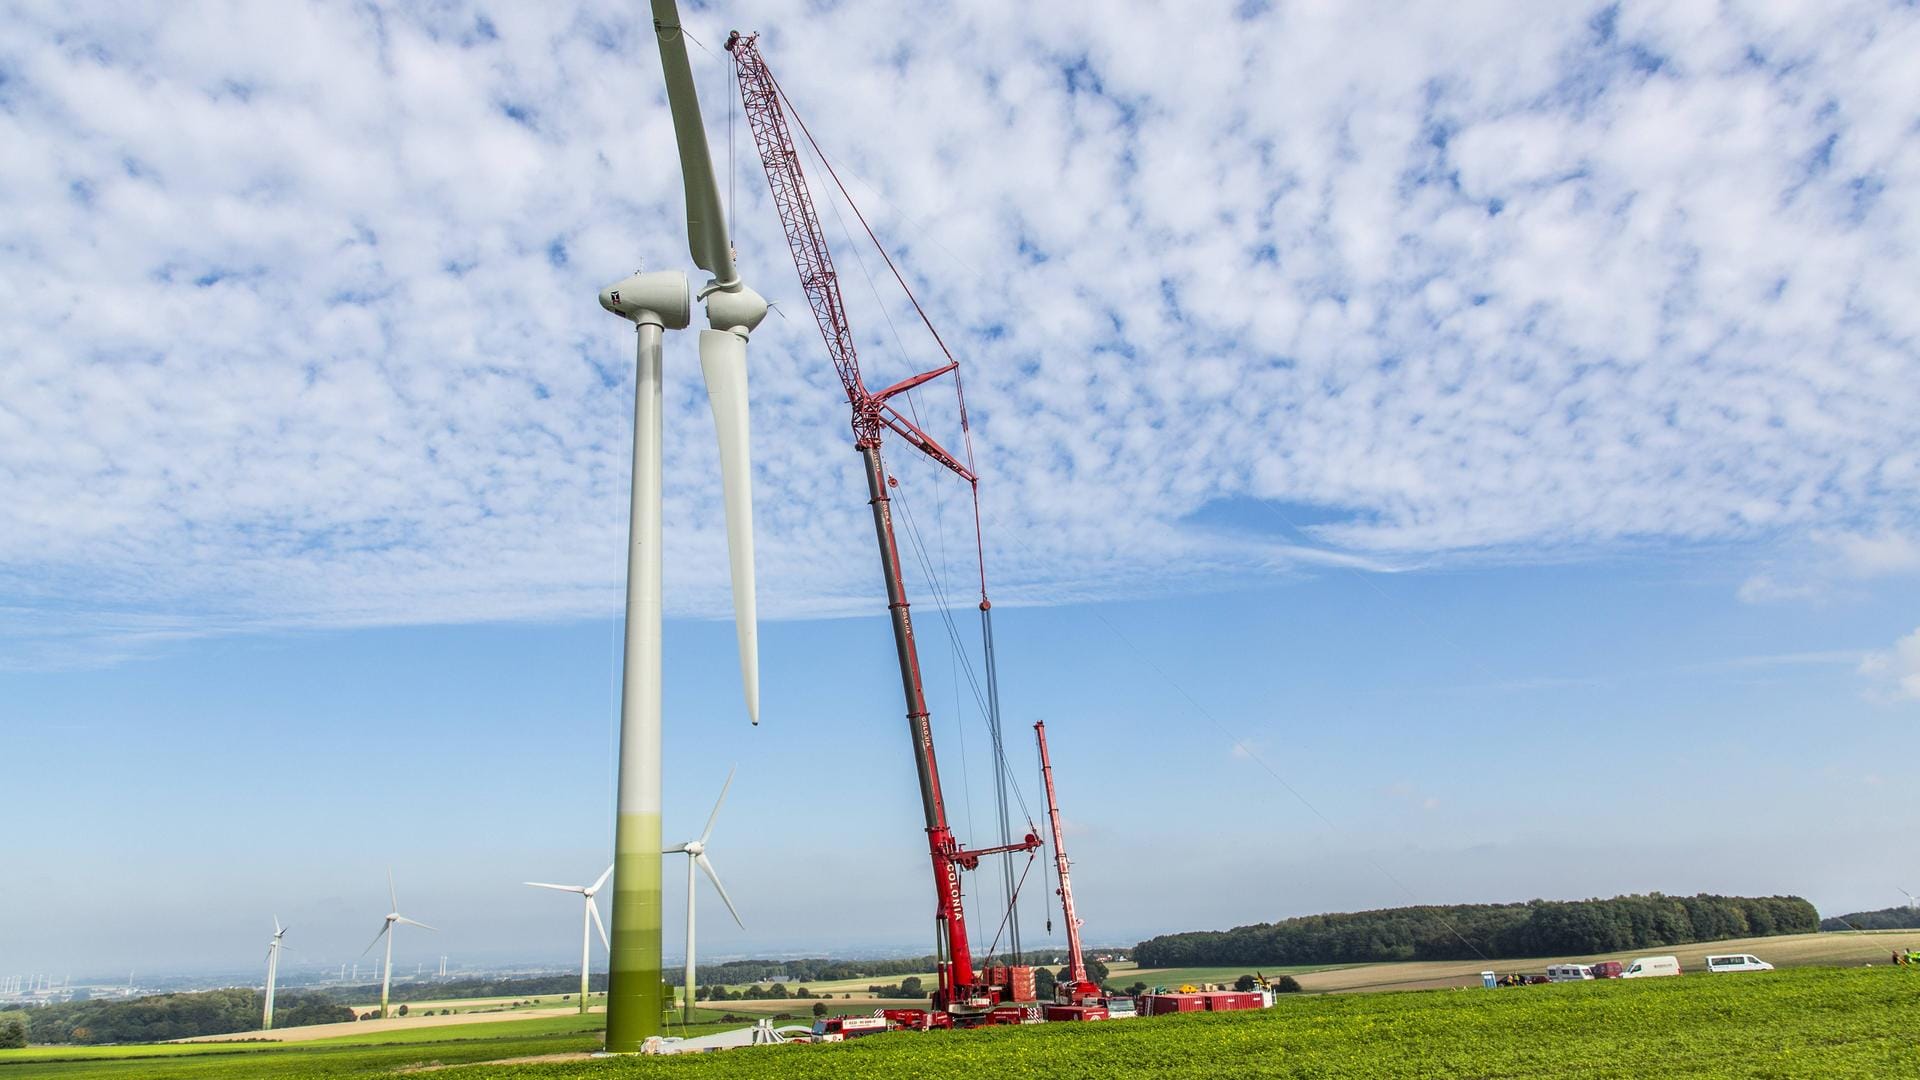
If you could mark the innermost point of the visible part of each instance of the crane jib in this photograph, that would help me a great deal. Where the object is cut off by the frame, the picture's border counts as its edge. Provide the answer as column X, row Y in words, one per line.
column 872, row 416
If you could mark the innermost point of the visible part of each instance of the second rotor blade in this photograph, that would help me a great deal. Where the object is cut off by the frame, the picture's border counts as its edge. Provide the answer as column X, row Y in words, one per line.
column 723, row 361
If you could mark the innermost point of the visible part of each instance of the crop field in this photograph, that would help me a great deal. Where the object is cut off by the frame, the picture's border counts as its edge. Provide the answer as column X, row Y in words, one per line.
column 349, row 1054
column 1808, row 1022
column 841, row 995
column 837, row 986
column 1788, row 950
column 490, row 1004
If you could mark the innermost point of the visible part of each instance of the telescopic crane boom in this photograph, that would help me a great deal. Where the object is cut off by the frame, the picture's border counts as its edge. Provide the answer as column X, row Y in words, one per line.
column 873, row 416
column 1077, row 988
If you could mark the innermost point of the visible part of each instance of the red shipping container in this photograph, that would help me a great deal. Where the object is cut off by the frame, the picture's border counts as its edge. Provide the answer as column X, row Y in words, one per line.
column 1229, row 1002
column 1076, row 1012
column 1021, row 981
column 1161, row 1004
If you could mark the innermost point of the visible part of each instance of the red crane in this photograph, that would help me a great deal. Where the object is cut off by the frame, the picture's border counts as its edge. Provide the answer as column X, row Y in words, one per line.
column 1077, row 989
column 959, row 987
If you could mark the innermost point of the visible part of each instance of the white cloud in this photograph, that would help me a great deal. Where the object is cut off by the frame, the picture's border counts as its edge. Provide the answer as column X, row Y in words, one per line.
column 1833, row 561
column 299, row 327
column 1876, row 554
column 1897, row 670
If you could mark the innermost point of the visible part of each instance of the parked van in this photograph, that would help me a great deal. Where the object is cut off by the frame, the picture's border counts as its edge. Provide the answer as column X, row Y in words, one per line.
column 1737, row 962
column 1607, row 969
column 1568, row 972
column 1650, row 966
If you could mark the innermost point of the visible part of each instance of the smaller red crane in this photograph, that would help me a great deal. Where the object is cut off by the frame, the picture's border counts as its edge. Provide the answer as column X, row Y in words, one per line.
column 1076, row 989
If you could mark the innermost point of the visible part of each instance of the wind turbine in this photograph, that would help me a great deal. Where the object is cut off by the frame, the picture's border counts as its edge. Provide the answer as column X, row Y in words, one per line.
column 696, row 851
column 1913, row 902
column 386, row 931
column 656, row 302
column 586, row 939
column 273, row 969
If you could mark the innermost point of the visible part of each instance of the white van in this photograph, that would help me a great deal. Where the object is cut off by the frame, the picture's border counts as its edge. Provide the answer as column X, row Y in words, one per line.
column 1737, row 962
column 1568, row 972
column 1649, row 966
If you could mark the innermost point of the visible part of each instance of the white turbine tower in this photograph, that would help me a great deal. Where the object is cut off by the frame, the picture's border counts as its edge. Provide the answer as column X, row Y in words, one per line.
column 696, row 852
column 386, row 931
column 586, row 938
column 656, row 302
column 1913, row 902
column 273, row 969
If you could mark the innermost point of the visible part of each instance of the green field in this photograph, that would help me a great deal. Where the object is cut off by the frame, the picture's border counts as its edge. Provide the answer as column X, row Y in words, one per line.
column 491, row 1004
column 1810, row 1022
column 1806, row 1023
column 348, row 1054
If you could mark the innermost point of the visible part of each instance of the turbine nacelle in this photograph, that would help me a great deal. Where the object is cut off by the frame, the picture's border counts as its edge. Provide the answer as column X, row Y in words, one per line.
column 661, row 298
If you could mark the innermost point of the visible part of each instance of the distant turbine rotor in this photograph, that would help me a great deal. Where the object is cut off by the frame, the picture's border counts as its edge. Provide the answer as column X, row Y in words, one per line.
column 591, row 914
column 696, row 852
column 394, row 918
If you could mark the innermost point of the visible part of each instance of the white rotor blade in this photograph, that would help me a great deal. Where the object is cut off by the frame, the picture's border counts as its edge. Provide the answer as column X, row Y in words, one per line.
column 675, row 850
column 715, row 878
column 706, row 218
column 723, row 360
column 562, row 888
column 384, row 927
column 391, row 894
column 601, row 880
column 418, row 923
column 716, row 805
column 593, row 909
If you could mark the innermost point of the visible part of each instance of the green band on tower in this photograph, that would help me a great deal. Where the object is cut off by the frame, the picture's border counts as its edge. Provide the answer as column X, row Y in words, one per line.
column 635, row 1002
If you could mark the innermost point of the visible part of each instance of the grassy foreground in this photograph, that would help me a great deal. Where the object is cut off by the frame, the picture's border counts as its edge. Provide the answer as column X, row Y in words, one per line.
column 1804, row 1023
column 1809, row 1022
column 351, row 1054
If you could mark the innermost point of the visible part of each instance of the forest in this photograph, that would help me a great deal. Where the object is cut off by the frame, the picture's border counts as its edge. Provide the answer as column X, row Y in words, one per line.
column 174, row 1016
column 1905, row 917
column 1486, row 931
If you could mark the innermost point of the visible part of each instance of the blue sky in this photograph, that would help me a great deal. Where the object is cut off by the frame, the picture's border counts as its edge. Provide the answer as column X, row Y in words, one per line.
column 1496, row 424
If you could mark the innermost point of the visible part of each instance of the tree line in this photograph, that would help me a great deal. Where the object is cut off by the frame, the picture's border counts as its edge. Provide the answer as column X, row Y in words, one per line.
column 173, row 1016
column 478, row 986
column 800, row 971
column 1893, row 918
column 1492, row 931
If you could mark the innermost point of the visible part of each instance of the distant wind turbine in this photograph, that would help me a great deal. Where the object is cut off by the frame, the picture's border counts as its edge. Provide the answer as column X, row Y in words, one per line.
column 273, row 969
column 1912, row 901
column 696, row 852
column 592, row 912
column 386, row 931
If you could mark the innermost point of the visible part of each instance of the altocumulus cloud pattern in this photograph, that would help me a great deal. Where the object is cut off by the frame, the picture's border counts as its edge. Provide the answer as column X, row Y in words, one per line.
column 298, row 326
